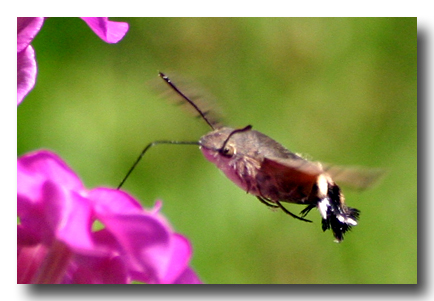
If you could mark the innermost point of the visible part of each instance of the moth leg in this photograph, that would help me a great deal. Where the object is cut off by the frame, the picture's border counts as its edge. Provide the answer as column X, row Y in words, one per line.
column 306, row 210
column 292, row 214
column 279, row 205
column 267, row 202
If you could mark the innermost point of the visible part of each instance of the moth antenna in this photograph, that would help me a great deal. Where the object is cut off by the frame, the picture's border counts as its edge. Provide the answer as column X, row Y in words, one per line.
column 244, row 129
column 175, row 88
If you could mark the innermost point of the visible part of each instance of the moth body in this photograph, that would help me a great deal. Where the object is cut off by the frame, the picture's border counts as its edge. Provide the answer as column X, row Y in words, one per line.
column 262, row 167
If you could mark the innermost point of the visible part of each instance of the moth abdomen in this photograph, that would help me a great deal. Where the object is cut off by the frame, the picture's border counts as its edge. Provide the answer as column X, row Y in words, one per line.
column 335, row 214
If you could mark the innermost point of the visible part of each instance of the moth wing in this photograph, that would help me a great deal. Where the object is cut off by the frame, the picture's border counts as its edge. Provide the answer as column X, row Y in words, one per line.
column 293, row 167
column 355, row 177
column 294, row 176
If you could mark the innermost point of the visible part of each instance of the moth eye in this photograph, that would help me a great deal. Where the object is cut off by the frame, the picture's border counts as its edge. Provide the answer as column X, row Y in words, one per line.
column 227, row 151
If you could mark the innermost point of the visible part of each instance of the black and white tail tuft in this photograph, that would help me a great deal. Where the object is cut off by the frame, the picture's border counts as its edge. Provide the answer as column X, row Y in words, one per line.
column 335, row 214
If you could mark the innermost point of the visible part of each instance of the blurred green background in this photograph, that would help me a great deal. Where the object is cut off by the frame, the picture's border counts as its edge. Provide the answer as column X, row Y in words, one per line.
column 342, row 90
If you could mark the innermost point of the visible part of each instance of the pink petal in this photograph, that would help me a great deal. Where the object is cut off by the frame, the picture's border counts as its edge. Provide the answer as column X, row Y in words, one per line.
column 188, row 277
column 97, row 270
column 60, row 215
column 108, row 31
column 178, row 259
column 74, row 229
column 50, row 204
column 35, row 168
column 27, row 29
column 34, row 220
column 29, row 260
column 111, row 201
column 26, row 72
column 143, row 237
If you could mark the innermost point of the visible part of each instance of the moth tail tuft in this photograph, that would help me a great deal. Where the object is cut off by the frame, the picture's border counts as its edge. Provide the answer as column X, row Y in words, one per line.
column 336, row 215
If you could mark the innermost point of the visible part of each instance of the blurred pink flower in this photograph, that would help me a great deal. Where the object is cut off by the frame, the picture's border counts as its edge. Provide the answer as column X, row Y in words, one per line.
column 108, row 31
column 57, row 242
column 28, row 28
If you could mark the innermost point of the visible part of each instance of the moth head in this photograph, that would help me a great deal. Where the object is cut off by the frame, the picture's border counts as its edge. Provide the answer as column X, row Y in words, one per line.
column 213, row 144
column 221, row 144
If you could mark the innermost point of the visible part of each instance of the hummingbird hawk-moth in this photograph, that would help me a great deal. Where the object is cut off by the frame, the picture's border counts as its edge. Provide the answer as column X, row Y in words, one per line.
column 264, row 168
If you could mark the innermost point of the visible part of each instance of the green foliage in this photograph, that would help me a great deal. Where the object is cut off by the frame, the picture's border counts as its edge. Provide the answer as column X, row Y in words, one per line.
column 343, row 90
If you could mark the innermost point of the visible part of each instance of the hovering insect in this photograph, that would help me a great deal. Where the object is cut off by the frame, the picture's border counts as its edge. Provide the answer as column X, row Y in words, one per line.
column 264, row 168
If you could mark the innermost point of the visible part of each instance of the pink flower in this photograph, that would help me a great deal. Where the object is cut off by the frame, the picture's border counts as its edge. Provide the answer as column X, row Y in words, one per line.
column 108, row 31
column 57, row 242
column 28, row 28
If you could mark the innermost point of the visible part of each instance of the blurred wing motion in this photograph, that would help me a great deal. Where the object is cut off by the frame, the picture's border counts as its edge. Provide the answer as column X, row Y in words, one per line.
column 359, row 178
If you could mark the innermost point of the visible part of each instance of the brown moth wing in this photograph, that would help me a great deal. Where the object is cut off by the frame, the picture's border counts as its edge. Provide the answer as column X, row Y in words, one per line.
column 359, row 178
column 288, row 180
